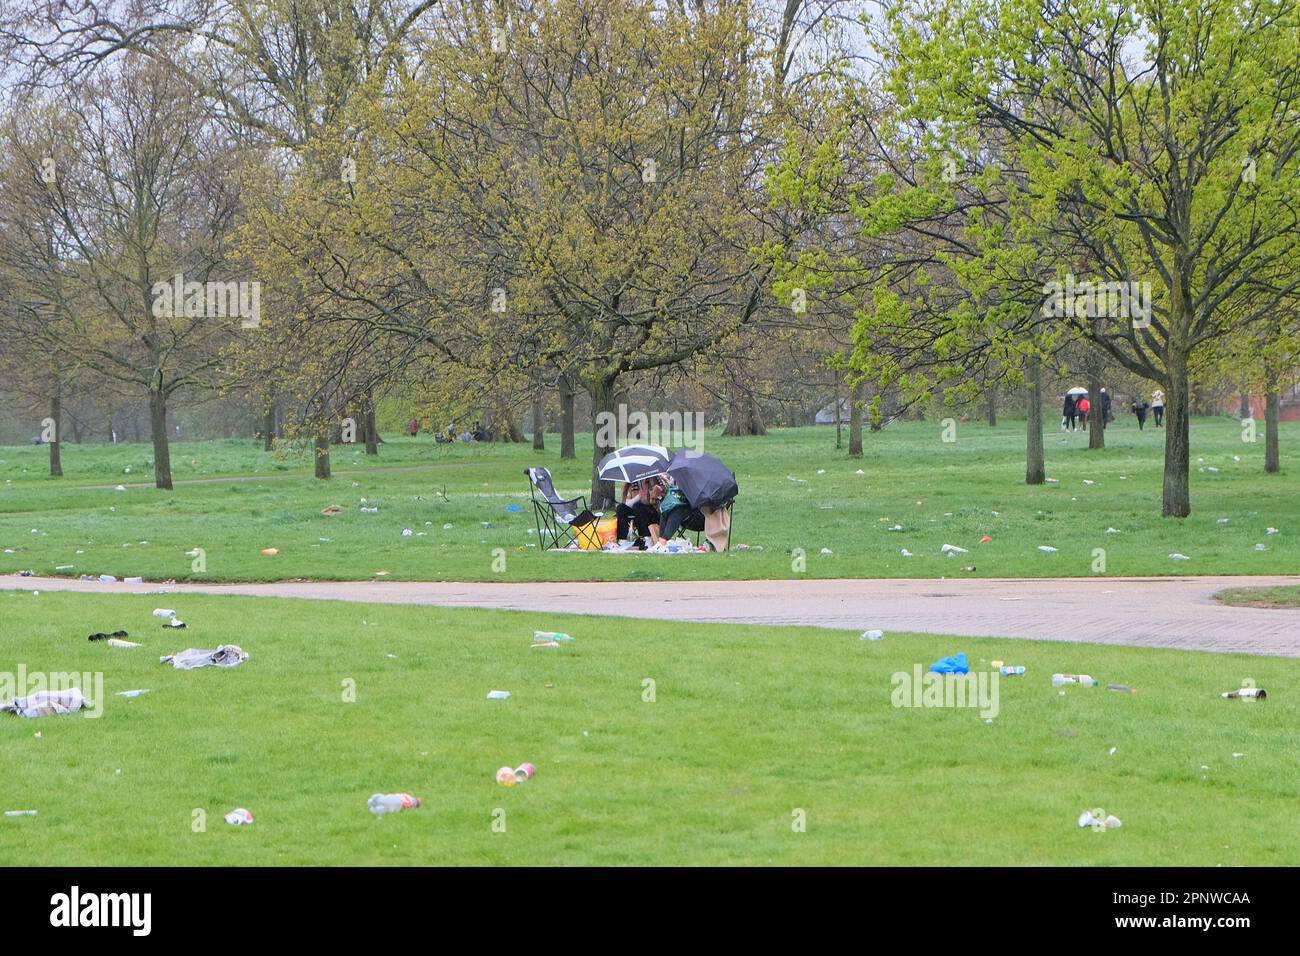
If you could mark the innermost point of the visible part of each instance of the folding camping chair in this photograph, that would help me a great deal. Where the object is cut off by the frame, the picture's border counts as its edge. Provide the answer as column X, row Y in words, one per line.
column 556, row 516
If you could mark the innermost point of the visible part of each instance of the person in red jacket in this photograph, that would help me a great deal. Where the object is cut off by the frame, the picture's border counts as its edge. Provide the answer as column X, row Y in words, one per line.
column 1082, row 408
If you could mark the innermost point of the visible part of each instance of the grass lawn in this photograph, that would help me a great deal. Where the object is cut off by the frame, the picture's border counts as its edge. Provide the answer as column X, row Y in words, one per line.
column 748, row 725
column 1279, row 597
column 797, row 491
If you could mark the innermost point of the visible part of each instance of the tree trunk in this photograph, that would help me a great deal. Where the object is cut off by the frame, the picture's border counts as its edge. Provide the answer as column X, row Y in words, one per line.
column 372, row 430
column 839, row 424
column 1177, row 501
column 539, row 421
column 268, row 426
column 1096, row 413
column 56, row 413
column 601, row 391
column 162, row 459
column 744, row 417
column 855, row 421
column 567, row 396
column 1244, row 410
column 1272, row 463
column 991, row 397
column 321, row 447
column 1034, row 468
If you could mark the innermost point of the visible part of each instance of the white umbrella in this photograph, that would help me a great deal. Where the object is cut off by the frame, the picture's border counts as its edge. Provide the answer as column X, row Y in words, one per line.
column 634, row 463
column 1077, row 390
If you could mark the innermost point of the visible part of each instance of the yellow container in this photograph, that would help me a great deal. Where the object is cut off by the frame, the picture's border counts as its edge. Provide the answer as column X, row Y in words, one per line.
column 594, row 535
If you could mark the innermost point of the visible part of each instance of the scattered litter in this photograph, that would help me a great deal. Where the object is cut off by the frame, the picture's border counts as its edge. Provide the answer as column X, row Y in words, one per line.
column 227, row 655
column 65, row 567
column 801, row 481
column 1246, row 693
column 132, row 694
column 107, row 579
column 270, row 552
column 20, row 813
column 1081, row 679
column 448, row 526
column 1239, row 755
column 498, row 695
column 1087, row 481
column 905, row 553
column 47, row 703
column 1047, row 549
column 407, row 533
column 995, row 513
column 369, row 511
column 393, row 803
column 1050, row 481
column 1012, row 670
column 506, row 777
column 985, row 540
column 118, row 488
column 174, row 622
column 1113, row 751
column 1270, row 530
column 1112, row 531
column 1179, row 557
column 821, row 471
column 1260, row 547
column 1212, row 470
column 953, row 549
column 859, row 472
column 133, row 580
column 511, row 509
column 968, row 567
column 826, row 551
column 239, row 817
column 956, row 664
column 115, row 642
column 104, row 637
column 1221, row 521
column 332, row 510
column 1098, row 820
column 1121, row 688
column 873, row 635
column 897, row 527
column 551, row 636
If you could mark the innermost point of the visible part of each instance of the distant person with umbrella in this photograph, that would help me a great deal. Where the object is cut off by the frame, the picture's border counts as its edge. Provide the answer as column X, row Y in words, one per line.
column 1068, row 411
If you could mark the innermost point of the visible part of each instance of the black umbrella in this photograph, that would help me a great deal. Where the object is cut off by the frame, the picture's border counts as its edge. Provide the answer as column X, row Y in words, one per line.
column 634, row 463
column 703, row 479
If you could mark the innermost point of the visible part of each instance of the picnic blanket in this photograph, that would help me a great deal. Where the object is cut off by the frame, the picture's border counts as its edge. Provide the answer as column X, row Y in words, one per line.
column 46, row 703
column 227, row 655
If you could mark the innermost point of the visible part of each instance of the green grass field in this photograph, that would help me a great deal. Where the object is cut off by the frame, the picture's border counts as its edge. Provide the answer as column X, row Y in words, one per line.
column 797, row 491
column 748, row 725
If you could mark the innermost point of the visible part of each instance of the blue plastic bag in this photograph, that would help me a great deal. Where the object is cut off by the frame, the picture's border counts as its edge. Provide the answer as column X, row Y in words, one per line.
column 956, row 664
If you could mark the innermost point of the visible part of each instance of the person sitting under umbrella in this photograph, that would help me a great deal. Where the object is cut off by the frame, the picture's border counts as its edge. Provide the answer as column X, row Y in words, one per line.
column 677, row 512
column 640, row 509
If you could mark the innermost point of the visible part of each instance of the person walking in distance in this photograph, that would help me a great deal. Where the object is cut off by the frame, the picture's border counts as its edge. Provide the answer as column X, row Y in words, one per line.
column 1068, row 411
column 1084, row 407
column 1158, row 407
column 1140, row 408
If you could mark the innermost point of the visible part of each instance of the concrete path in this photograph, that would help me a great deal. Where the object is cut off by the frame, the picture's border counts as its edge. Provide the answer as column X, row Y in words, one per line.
column 1151, row 612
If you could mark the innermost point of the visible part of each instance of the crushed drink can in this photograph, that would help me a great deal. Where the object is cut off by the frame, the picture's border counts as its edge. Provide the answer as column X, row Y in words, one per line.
column 239, row 817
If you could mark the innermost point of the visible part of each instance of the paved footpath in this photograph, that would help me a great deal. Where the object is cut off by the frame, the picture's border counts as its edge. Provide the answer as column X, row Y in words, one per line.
column 1151, row 612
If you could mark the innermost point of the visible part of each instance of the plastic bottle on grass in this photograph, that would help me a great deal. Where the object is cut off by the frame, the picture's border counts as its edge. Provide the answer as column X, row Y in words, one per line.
column 392, row 802
column 550, row 636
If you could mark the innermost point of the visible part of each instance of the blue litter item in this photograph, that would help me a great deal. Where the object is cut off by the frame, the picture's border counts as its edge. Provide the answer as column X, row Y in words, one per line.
column 512, row 508
column 957, row 664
